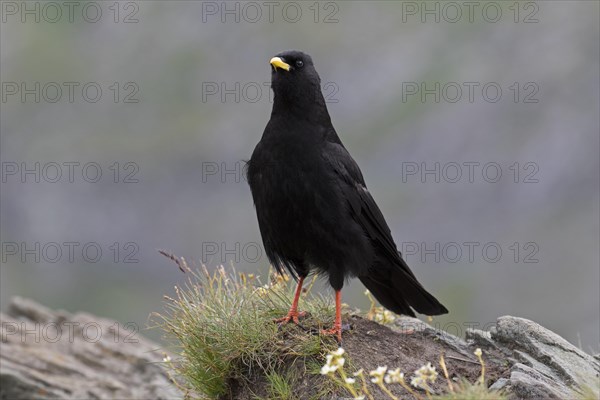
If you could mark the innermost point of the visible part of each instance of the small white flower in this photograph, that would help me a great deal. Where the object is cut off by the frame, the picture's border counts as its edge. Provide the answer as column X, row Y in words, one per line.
column 394, row 376
column 334, row 361
column 425, row 374
column 359, row 372
column 377, row 374
column 416, row 381
column 350, row 381
column 327, row 369
column 478, row 352
column 379, row 370
column 339, row 352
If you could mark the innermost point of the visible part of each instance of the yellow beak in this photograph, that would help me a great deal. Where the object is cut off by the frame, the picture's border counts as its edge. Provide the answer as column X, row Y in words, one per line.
column 278, row 63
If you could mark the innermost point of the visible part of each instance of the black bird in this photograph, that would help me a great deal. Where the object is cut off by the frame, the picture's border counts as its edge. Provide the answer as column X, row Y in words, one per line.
column 314, row 211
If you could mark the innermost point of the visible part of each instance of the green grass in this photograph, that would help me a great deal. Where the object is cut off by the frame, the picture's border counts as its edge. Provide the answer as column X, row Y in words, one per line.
column 220, row 326
column 279, row 386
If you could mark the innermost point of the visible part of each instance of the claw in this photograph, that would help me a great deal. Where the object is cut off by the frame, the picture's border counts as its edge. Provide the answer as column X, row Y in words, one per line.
column 292, row 316
column 336, row 330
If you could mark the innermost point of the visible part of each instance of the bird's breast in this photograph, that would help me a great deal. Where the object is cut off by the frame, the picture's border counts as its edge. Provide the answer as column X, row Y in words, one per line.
column 301, row 209
column 291, row 185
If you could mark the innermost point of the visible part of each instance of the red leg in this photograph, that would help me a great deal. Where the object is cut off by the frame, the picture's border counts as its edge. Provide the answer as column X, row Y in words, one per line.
column 293, row 314
column 337, row 325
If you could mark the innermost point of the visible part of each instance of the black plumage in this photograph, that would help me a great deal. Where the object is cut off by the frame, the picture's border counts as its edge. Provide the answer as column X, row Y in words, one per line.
column 313, row 207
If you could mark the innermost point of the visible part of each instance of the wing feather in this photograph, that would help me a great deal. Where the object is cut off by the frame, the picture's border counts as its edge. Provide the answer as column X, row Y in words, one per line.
column 362, row 206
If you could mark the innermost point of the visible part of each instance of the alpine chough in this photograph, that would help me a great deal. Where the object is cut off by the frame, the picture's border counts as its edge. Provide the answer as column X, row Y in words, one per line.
column 314, row 210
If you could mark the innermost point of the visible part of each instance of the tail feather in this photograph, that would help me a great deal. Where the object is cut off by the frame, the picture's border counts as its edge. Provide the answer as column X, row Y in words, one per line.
column 398, row 290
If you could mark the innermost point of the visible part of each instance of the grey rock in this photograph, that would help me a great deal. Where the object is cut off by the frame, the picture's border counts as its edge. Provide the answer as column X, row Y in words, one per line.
column 549, row 367
column 480, row 338
column 541, row 363
column 55, row 355
column 500, row 384
column 406, row 324
column 529, row 383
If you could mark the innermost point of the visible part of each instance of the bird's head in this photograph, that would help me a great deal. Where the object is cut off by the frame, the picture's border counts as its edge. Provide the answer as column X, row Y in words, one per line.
column 294, row 79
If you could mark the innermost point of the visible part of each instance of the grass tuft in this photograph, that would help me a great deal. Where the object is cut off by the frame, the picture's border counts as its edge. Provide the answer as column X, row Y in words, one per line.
column 279, row 386
column 220, row 326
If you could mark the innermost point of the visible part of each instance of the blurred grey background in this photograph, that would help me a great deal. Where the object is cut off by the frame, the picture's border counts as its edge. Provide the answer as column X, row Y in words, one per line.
column 433, row 99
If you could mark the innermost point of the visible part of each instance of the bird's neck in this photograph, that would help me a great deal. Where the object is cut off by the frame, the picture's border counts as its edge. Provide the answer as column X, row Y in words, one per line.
column 308, row 107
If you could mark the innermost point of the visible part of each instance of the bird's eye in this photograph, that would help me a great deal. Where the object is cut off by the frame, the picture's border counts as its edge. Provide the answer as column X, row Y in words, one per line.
column 299, row 64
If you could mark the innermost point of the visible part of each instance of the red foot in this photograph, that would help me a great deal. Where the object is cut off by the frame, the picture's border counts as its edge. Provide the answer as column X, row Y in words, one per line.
column 336, row 330
column 337, row 325
column 291, row 316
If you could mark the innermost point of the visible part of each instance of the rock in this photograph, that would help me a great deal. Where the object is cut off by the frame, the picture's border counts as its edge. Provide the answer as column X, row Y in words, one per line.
column 549, row 367
column 55, row 355
column 480, row 338
column 500, row 384
column 529, row 383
